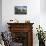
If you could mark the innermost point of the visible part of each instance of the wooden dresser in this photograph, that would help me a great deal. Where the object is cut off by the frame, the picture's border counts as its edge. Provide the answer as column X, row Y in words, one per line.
column 22, row 33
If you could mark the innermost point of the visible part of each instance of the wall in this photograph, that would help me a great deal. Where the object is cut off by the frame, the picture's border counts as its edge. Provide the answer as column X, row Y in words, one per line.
column 43, row 14
column 0, row 15
column 8, row 11
column 34, row 14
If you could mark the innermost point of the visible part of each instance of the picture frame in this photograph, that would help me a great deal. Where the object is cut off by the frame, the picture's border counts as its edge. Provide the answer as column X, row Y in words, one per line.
column 20, row 9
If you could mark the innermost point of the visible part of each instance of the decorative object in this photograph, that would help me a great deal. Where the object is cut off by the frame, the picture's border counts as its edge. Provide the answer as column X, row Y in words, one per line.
column 20, row 9
column 1, row 40
column 45, row 35
column 13, row 21
column 7, row 38
column 27, row 21
column 41, row 36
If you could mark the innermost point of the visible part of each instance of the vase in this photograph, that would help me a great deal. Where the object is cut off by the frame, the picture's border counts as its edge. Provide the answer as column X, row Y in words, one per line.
column 41, row 43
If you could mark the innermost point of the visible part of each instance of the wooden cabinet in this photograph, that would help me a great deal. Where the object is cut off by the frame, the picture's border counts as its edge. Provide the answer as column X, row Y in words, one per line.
column 22, row 33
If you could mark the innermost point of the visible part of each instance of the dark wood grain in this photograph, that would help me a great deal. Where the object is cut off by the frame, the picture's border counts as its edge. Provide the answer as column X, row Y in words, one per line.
column 23, row 27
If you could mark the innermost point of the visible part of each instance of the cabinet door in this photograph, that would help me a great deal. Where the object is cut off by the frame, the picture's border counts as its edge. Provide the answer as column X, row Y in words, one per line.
column 24, row 38
column 20, row 38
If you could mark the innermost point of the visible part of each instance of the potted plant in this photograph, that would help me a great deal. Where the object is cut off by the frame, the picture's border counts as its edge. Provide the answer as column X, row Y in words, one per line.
column 41, row 36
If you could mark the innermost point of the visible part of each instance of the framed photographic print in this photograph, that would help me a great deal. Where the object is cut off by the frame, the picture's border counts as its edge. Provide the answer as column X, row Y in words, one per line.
column 20, row 9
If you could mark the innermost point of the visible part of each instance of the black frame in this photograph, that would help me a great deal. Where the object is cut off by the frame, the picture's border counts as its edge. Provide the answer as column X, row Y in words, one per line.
column 20, row 9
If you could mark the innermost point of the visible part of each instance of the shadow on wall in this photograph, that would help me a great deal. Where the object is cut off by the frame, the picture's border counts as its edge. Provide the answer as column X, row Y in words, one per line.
column 0, row 15
column 43, row 6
